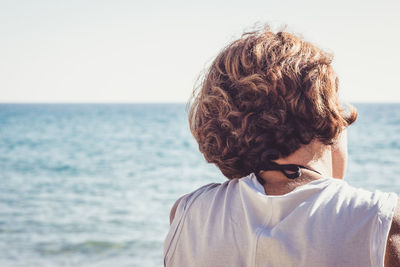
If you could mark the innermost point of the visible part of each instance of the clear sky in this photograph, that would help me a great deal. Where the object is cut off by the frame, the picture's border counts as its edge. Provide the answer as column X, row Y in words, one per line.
column 153, row 51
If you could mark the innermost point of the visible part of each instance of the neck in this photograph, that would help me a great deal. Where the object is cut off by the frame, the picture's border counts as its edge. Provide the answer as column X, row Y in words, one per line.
column 315, row 155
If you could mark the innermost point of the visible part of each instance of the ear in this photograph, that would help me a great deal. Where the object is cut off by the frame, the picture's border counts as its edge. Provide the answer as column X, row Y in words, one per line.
column 339, row 156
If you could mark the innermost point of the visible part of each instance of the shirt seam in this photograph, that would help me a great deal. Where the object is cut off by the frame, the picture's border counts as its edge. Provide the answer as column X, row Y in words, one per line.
column 260, row 230
column 383, row 218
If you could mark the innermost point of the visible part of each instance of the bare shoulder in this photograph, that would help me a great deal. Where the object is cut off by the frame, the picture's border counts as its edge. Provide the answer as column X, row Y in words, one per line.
column 392, row 256
column 173, row 210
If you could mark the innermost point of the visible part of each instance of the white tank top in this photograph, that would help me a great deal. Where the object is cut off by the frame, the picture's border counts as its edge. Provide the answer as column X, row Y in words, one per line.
column 323, row 223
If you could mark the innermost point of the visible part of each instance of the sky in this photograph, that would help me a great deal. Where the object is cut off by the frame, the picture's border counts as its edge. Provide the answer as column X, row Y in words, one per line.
column 154, row 51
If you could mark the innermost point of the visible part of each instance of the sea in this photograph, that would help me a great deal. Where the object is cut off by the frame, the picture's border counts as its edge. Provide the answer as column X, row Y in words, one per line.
column 93, row 184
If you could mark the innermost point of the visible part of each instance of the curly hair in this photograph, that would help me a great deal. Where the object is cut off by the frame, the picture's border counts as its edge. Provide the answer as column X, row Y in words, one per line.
column 264, row 91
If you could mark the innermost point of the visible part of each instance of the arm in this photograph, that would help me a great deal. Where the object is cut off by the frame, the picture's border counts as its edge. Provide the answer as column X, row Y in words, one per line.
column 339, row 156
column 392, row 255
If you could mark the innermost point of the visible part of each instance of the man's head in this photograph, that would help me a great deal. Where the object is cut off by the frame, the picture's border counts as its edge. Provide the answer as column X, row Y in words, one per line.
column 266, row 91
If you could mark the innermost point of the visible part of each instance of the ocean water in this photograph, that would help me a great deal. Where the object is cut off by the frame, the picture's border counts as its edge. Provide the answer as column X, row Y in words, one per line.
column 92, row 184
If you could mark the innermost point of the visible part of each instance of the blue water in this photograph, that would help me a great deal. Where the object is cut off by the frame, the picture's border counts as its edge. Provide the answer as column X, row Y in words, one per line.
column 92, row 185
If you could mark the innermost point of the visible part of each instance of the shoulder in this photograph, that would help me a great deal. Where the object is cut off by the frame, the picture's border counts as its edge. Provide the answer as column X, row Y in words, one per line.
column 383, row 209
column 183, row 200
column 173, row 209
column 361, row 199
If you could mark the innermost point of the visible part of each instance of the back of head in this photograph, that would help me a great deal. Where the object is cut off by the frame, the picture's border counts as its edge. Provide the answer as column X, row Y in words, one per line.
column 265, row 91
